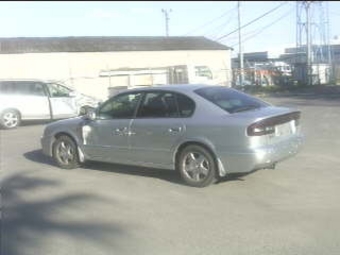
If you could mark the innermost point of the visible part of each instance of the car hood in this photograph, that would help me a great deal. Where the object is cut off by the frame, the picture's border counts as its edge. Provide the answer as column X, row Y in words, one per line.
column 66, row 125
column 68, row 122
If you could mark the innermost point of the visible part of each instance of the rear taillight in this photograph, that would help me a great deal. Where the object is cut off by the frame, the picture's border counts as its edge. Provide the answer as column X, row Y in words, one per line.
column 267, row 126
column 260, row 128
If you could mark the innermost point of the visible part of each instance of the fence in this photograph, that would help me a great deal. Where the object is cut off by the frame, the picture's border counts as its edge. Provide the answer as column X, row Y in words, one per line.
column 260, row 77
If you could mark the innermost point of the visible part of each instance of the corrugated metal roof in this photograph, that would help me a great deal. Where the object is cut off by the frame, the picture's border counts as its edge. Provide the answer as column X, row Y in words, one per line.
column 106, row 44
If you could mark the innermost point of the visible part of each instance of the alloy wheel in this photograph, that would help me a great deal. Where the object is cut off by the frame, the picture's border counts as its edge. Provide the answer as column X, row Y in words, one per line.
column 10, row 119
column 196, row 166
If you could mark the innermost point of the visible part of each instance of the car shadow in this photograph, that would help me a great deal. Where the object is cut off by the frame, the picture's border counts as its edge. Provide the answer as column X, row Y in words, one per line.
column 163, row 174
column 234, row 177
column 39, row 157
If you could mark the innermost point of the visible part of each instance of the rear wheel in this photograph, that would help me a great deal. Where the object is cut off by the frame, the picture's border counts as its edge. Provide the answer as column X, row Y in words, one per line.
column 65, row 152
column 197, row 166
column 10, row 119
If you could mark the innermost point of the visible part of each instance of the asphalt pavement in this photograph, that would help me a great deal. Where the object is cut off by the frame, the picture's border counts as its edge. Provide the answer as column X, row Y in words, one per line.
column 104, row 209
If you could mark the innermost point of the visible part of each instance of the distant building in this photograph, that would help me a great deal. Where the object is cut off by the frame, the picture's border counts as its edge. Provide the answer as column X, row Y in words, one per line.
column 95, row 65
column 291, row 63
column 322, row 70
column 263, row 68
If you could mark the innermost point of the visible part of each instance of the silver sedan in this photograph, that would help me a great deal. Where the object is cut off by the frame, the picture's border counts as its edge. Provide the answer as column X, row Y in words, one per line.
column 202, row 131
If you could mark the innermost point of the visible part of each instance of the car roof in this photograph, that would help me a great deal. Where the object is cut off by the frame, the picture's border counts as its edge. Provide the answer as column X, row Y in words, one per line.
column 28, row 80
column 174, row 87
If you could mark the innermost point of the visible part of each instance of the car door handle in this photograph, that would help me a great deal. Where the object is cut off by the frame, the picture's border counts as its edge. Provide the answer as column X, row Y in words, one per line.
column 120, row 131
column 175, row 130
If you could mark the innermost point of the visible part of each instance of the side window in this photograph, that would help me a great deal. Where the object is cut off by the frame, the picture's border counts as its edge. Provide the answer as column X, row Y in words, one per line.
column 7, row 87
column 186, row 105
column 37, row 89
column 120, row 107
column 158, row 105
column 57, row 90
column 22, row 88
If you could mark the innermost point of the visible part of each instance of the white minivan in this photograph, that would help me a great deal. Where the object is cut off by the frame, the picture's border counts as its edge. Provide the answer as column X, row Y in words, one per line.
column 39, row 100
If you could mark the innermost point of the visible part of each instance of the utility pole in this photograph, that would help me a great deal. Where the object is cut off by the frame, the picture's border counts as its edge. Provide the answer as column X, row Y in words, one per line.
column 166, row 14
column 240, row 45
column 313, row 42
column 308, row 42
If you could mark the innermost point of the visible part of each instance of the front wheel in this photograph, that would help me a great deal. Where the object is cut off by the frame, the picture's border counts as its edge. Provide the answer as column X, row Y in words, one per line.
column 197, row 166
column 65, row 153
column 10, row 119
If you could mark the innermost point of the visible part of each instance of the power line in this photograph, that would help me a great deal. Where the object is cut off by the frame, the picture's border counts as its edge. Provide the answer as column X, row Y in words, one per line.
column 235, row 37
column 262, row 29
column 209, row 22
column 219, row 28
column 255, row 31
column 249, row 23
column 269, row 25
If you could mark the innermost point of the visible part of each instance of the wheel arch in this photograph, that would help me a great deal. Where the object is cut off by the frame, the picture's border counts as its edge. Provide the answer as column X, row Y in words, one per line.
column 64, row 133
column 193, row 142
column 11, row 109
column 61, row 133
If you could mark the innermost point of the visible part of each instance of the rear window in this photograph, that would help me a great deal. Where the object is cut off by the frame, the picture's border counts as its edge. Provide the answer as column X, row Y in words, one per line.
column 230, row 100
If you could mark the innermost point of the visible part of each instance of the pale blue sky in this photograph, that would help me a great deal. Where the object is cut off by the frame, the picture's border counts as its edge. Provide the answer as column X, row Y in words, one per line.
column 145, row 18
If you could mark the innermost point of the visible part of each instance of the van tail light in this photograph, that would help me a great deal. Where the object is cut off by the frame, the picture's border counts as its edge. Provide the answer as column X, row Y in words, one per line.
column 267, row 126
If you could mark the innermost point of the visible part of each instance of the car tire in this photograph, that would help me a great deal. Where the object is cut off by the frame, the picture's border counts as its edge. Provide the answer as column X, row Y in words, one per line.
column 197, row 166
column 10, row 119
column 65, row 153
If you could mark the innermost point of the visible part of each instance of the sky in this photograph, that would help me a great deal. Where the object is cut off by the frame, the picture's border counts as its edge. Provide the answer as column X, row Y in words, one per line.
column 216, row 20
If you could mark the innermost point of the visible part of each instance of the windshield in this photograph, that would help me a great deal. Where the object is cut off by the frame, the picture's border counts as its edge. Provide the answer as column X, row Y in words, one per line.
column 230, row 100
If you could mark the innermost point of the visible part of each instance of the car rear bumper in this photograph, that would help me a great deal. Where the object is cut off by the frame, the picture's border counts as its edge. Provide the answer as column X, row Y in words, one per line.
column 263, row 157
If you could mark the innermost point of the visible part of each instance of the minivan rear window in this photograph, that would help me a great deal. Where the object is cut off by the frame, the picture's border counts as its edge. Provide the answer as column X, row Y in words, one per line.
column 230, row 99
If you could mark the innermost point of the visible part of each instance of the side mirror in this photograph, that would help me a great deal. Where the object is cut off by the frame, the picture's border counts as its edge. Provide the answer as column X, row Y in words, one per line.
column 72, row 94
column 91, row 114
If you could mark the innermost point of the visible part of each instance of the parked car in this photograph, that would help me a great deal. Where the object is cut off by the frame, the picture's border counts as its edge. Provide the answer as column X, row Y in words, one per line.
column 32, row 100
column 202, row 131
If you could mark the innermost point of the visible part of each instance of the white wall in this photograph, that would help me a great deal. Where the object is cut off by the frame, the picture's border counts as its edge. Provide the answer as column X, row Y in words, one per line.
column 81, row 70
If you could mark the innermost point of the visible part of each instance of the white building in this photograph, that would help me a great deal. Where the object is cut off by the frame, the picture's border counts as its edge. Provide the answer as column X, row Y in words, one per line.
column 92, row 64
